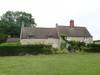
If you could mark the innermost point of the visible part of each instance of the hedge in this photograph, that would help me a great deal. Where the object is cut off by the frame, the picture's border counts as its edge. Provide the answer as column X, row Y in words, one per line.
column 94, row 47
column 34, row 49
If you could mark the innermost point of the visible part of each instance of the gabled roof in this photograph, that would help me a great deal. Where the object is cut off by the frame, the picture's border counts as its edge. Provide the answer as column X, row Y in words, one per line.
column 13, row 40
column 74, row 32
column 43, row 33
column 38, row 33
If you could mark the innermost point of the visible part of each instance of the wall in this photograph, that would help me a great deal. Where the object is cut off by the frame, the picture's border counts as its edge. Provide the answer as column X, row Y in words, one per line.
column 85, row 39
column 55, row 42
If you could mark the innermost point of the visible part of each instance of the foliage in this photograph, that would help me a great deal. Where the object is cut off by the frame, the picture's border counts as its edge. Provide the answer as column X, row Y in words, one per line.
column 3, row 38
column 63, row 45
column 96, row 41
column 85, row 49
column 10, row 22
column 18, row 17
column 59, row 51
column 18, row 49
column 74, row 45
column 94, row 47
column 63, row 36
column 55, row 49
column 64, row 51
column 10, row 44
column 10, row 28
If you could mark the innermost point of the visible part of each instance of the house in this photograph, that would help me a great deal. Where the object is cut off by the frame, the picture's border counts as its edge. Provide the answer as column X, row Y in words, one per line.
column 13, row 40
column 35, row 35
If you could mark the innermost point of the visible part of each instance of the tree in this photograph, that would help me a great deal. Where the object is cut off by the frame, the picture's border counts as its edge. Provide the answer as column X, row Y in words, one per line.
column 10, row 22
column 18, row 17
column 3, row 38
column 10, row 28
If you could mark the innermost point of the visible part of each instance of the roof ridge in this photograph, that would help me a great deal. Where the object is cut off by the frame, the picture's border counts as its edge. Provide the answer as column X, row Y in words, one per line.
column 69, row 26
column 39, row 27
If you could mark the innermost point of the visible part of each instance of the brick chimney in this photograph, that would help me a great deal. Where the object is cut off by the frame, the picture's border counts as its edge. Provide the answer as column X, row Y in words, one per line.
column 71, row 23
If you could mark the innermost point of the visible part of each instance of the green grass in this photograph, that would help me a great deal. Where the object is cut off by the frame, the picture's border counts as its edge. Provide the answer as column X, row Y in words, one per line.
column 68, row 64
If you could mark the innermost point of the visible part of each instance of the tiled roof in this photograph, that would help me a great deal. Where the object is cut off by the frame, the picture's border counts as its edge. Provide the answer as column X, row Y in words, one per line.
column 74, row 32
column 42, row 33
column 13, row 40
column 38, row 33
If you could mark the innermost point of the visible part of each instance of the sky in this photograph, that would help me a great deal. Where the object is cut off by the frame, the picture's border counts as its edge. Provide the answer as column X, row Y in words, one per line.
column 47, row 13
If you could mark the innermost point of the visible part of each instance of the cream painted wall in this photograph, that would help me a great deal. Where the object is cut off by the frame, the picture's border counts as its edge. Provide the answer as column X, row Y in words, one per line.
column 55, row 42
column 85, row 39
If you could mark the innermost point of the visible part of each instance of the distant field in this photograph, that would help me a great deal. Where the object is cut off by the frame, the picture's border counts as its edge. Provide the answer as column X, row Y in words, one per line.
column 68, row 64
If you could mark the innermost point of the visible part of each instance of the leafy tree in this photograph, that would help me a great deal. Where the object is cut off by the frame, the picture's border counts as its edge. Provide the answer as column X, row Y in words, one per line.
column 10, row 28
column 18, row 17
column 3, row 38
column 10, row 22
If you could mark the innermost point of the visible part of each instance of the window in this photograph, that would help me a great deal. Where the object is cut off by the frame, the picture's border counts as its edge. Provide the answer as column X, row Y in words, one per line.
column 50, row 36
column 85, row 38
column 68, row 38
column 30, row 37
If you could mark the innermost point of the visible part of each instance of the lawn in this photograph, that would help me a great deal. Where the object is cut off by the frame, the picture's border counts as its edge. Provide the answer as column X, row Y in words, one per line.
column 67, row 64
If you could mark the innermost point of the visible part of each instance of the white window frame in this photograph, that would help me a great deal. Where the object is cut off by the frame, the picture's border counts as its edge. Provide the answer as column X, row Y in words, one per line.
column 85, row 38
column 68, row 38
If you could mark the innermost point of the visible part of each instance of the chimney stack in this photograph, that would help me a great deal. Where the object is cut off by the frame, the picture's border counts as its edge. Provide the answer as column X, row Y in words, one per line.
column 71, row 23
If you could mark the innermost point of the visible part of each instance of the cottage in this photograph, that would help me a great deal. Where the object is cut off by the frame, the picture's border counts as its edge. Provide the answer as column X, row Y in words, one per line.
column 35, row 35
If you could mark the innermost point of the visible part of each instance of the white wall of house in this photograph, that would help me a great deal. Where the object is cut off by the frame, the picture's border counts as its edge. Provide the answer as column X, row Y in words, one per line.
column 55, row 42
column 81, row 39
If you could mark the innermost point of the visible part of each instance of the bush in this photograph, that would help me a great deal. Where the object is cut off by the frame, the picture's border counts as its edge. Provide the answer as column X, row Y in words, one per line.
column 55, row 49
column 13, row 49
column 85, row 49
column 3, row 38
column 59, row 52
column 63, row 45
column 64, row 51
column 10, row 44
column 94, row 47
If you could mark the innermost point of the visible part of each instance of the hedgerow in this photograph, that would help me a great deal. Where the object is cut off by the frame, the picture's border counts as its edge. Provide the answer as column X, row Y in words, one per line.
column 13, row 49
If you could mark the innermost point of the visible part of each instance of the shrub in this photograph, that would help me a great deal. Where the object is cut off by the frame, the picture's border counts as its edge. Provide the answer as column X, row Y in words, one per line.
column 63, row 45
column 94, row 47
column 85, row 49
column 12, row 49
column 3, row 38
column 55, row 49
column 59, row 52
column 64, row 51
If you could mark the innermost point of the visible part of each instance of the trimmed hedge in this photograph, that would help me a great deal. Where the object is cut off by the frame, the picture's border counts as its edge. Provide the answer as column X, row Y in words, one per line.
column 34, row 49
column 94, row 47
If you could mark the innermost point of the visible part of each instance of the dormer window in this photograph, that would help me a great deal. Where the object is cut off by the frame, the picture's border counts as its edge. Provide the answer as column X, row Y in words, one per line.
column 50, row 36
column 30, row 36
